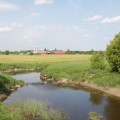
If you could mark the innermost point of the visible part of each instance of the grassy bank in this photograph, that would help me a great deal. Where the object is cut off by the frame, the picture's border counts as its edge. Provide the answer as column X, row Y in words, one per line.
column 12, row 66
column 7, row 83
column 30, row 110
column 81, row 71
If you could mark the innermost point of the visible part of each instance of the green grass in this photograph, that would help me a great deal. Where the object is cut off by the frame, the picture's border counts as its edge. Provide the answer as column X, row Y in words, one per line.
column 36, row 61
column 10, row 66
column 68, row 70
column 5, row 114
column 33, row 110
column 41, row 58
column 71, row 67
column 81, row 71
column 7, row 83
column 95, row 116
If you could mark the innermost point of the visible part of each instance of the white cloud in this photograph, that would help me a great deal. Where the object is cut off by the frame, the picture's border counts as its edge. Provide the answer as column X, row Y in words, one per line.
column 86, row 35
column 111, row 20
column 10, row 26
column 5, row 29
column 95, row 18
column 41, row 2
column 4, row 6
column 35, row 14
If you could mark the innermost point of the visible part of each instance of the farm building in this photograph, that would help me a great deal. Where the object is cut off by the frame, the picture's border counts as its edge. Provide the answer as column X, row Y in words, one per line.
column 41, row 53
column 59, row 52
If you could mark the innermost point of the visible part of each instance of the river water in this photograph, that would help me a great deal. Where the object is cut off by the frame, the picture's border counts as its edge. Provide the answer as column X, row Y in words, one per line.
column 77, row 102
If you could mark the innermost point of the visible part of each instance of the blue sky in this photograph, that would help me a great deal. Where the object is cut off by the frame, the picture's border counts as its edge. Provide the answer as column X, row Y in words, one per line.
column 61, row 24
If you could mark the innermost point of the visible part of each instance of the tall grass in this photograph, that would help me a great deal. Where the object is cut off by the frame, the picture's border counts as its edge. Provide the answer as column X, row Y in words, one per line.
column 33, row 110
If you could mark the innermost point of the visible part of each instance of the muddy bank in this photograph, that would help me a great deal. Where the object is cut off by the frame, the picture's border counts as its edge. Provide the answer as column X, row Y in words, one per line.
column 115, row 92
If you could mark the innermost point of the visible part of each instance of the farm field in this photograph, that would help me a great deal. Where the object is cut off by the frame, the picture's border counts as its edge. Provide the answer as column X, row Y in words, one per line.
column 42, row 58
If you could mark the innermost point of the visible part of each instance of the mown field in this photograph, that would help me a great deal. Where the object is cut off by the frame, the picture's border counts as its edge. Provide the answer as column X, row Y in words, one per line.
column 41, row 58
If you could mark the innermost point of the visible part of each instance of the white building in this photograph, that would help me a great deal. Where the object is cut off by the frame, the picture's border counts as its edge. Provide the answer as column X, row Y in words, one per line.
column 35, row 49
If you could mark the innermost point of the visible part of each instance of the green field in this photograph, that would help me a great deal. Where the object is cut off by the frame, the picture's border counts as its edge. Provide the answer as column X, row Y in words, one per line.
column 41, row 58
column 71, row 67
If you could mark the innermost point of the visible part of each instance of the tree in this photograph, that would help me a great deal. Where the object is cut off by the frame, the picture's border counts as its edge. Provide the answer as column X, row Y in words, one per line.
column 7, row 52
column 113, row 53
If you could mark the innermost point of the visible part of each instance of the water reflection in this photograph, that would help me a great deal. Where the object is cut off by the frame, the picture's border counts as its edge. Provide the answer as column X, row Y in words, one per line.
column 95, row 98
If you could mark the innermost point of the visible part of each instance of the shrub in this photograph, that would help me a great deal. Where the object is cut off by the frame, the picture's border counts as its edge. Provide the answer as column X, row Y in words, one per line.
column 98, row 61
column 113, row 53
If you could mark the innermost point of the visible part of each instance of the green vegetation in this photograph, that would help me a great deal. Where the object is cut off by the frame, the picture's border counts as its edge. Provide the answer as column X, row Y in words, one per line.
column 98, row 61
column 7, row 52
column 7, row 83
column 30, row 110
column 95, row 116
column 5, row 114
column 70, row 67
column 81, row 71
column 11, row 66
column 41, row 59
column 113, row 53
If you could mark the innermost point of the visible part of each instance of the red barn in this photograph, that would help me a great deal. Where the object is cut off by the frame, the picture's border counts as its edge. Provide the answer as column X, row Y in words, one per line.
column 59, row 53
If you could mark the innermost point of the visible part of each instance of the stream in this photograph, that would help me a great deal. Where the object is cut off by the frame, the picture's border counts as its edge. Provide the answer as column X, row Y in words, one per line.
column 76, row 101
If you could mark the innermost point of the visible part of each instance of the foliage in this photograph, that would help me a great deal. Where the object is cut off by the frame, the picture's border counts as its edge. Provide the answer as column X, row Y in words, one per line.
column 7, row 52
column 98, row 61
column 113, row 53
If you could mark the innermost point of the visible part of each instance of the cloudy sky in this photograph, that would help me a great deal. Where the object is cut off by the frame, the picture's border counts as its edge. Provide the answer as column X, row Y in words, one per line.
column 61, row 24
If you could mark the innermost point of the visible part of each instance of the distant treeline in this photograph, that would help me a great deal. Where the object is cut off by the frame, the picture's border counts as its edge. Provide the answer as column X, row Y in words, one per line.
column 30, row 52
column 83, row 52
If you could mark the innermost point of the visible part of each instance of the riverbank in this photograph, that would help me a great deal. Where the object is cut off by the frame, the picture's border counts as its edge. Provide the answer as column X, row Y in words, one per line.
column 80, row 74
column 115, row 92
column 8, row 85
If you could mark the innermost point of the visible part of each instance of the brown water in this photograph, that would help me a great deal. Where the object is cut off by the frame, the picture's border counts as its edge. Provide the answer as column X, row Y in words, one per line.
column 77, row 102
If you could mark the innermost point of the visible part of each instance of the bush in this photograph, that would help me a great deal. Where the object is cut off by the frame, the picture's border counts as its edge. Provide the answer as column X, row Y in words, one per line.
column 7, row 52
column 98, row 61
column 113, row 53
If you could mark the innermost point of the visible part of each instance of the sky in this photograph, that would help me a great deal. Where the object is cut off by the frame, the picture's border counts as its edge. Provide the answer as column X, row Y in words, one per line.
column 61, row 24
